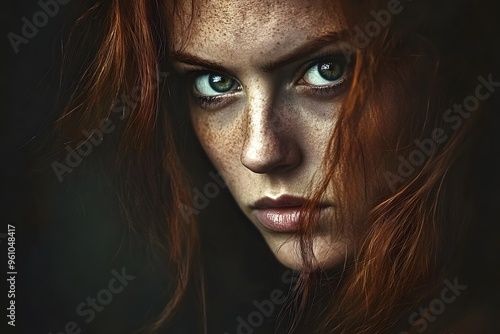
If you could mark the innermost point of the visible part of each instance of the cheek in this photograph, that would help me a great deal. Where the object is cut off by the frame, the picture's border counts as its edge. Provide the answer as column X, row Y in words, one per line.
column 221, row 140
column 305, row 122
column 315, row 128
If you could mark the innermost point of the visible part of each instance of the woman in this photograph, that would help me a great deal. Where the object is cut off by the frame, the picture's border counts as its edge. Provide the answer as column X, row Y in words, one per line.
column 344, row 131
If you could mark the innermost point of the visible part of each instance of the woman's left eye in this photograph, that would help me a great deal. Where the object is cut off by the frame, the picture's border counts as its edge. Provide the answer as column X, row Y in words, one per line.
column 327, row 72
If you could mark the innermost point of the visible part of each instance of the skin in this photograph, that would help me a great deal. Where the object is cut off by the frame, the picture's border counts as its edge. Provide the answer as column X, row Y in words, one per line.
column 268, row 136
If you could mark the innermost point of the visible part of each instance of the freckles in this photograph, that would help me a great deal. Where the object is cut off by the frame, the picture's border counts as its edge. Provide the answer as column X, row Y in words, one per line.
column 222, row 144
column 285, row 122
column 203, row 130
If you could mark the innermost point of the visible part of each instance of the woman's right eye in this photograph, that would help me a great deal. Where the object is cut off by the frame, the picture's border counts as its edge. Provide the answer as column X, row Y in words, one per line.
column 211, row 84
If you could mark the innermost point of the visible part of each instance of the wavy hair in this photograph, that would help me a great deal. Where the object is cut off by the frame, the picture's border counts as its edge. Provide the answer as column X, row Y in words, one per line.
column 405, row 241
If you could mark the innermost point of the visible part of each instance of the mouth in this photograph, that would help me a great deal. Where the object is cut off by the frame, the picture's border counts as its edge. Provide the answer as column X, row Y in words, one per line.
column 281, row 214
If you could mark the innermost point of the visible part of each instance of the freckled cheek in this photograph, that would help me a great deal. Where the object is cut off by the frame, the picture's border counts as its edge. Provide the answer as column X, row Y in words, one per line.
column 318, row 121
column 222, row 143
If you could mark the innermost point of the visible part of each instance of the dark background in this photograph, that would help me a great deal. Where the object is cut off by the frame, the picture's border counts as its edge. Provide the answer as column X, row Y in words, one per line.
column 70, row 236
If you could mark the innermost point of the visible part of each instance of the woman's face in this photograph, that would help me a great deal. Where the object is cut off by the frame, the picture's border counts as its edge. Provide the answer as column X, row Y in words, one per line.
column 267, row 79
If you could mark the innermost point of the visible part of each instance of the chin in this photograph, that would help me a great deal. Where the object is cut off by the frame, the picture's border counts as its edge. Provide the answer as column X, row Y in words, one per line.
column 328, row 254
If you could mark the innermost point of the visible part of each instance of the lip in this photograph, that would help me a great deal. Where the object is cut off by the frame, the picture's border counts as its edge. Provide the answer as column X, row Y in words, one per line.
column 284, row 201
column 281, row 214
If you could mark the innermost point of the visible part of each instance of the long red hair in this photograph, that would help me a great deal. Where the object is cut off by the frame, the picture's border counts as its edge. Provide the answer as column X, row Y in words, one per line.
column 405, row 241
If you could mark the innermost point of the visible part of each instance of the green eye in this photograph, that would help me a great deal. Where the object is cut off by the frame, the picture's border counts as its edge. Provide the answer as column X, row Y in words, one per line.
column 220, row 83
column 325, row 72
column 214, row 84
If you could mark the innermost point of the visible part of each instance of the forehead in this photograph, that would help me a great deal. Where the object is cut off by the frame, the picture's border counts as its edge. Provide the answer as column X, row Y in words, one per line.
column 244, row 25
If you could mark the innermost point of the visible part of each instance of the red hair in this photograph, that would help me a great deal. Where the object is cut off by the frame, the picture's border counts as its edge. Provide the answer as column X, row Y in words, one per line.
column 402, row 243
column 125, row 59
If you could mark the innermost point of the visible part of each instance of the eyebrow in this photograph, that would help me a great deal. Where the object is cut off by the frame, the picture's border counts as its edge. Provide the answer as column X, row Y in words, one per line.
column 300, row 52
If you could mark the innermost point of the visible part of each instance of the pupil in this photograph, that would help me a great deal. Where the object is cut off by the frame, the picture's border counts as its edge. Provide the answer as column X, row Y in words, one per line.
column 219, row 83
column 330, row 71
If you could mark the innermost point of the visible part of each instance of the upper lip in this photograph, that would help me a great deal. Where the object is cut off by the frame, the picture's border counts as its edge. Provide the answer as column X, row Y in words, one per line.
column 283, row 201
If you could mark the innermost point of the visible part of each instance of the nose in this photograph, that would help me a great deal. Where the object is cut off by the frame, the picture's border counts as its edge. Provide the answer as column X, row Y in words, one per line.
column 269, row 145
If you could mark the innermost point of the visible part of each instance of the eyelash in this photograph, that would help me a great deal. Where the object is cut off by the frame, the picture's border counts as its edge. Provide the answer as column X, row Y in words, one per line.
column 327, row 89
column 203, row 100
column 207, row 102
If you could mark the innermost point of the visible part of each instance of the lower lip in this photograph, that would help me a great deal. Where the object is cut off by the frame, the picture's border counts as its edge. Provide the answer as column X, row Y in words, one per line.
column 279, row 219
